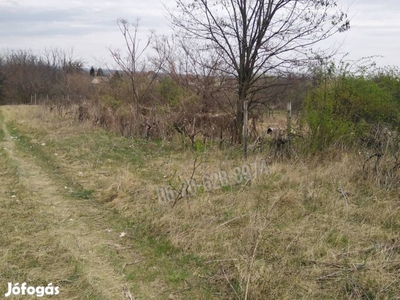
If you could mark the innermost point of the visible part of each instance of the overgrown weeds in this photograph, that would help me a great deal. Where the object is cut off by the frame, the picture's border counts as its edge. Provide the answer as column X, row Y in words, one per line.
column 312, row 228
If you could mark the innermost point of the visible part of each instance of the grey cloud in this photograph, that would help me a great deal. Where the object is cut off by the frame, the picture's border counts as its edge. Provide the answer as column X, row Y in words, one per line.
column 72, row 21
column 50, row 22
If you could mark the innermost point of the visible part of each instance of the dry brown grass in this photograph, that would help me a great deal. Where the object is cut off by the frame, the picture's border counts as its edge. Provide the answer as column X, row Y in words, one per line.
column 311, row 229
column 295, row 229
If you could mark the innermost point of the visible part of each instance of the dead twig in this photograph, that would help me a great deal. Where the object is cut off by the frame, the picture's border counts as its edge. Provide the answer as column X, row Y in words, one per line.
column 231, row 220
column 387, row 287
column 128, row 264
column 179, row 196
column 251, row 264
column 329, row 276
column 346, row 200
column 227, row 279
column 220, row 260
column 127, row 293
column 293, row 240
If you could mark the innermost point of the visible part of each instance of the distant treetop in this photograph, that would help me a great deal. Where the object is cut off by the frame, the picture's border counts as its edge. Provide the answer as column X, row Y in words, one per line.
column 100, row 72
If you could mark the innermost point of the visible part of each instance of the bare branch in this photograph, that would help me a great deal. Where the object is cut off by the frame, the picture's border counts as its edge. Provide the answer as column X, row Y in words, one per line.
column 255, row 38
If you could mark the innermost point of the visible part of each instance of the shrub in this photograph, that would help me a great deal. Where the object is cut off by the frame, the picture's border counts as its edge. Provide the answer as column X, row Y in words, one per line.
column 342, row 106
column 170, row 91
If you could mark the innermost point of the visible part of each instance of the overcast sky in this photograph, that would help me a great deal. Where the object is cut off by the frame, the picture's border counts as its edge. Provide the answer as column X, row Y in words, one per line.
column 89, row 27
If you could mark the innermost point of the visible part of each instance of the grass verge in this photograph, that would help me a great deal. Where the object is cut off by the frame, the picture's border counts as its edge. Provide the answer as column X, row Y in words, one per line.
column 150, row 264
column 311, row 229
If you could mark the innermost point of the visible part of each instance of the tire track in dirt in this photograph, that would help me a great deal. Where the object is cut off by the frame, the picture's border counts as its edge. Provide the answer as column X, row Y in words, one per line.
column 78, row 226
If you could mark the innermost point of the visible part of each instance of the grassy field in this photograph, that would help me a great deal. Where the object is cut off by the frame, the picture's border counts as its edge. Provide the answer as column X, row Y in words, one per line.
column 83, row 209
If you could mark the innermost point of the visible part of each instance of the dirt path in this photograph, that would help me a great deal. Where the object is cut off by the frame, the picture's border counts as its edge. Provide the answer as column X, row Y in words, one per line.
column 79, row 228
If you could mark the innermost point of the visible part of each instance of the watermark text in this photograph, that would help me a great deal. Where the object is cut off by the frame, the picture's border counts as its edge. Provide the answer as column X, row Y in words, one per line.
column 39, row 291
column 214, row 181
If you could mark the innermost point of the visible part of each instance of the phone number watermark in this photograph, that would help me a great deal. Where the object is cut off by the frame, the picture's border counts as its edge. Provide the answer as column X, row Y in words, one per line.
column 214, row 181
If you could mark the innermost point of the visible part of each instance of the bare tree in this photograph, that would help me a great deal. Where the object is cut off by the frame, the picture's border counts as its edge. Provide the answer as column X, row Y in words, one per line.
column 255, row 38
column 134, row 66
column 192, row 69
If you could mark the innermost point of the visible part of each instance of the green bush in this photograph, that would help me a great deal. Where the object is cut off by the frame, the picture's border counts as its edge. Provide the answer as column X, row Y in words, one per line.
column 110, row 101
column 341, row 107
column 170, row 91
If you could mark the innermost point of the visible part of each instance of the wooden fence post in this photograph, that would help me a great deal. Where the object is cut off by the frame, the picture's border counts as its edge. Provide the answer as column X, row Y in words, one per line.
column 289, row 125
column 245, row 125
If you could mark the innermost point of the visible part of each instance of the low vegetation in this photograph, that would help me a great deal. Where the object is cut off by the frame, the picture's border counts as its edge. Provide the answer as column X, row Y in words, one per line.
column 323, row 226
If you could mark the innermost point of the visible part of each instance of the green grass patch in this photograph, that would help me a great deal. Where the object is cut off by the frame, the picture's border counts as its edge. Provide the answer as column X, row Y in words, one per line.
column 45, row 158
column 82, row 194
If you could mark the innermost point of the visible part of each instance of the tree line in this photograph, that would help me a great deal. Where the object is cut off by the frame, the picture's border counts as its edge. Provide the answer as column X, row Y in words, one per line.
column 23, row 73
column 223, row 55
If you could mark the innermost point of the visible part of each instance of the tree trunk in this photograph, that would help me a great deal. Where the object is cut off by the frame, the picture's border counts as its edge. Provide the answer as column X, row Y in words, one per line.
column 242, row 97
column 137, row 123
column 135, row 101
column 239, row 120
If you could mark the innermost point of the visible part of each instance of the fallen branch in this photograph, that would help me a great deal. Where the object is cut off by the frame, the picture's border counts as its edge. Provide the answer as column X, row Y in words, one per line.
column 127, row 293
column 231, row 220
